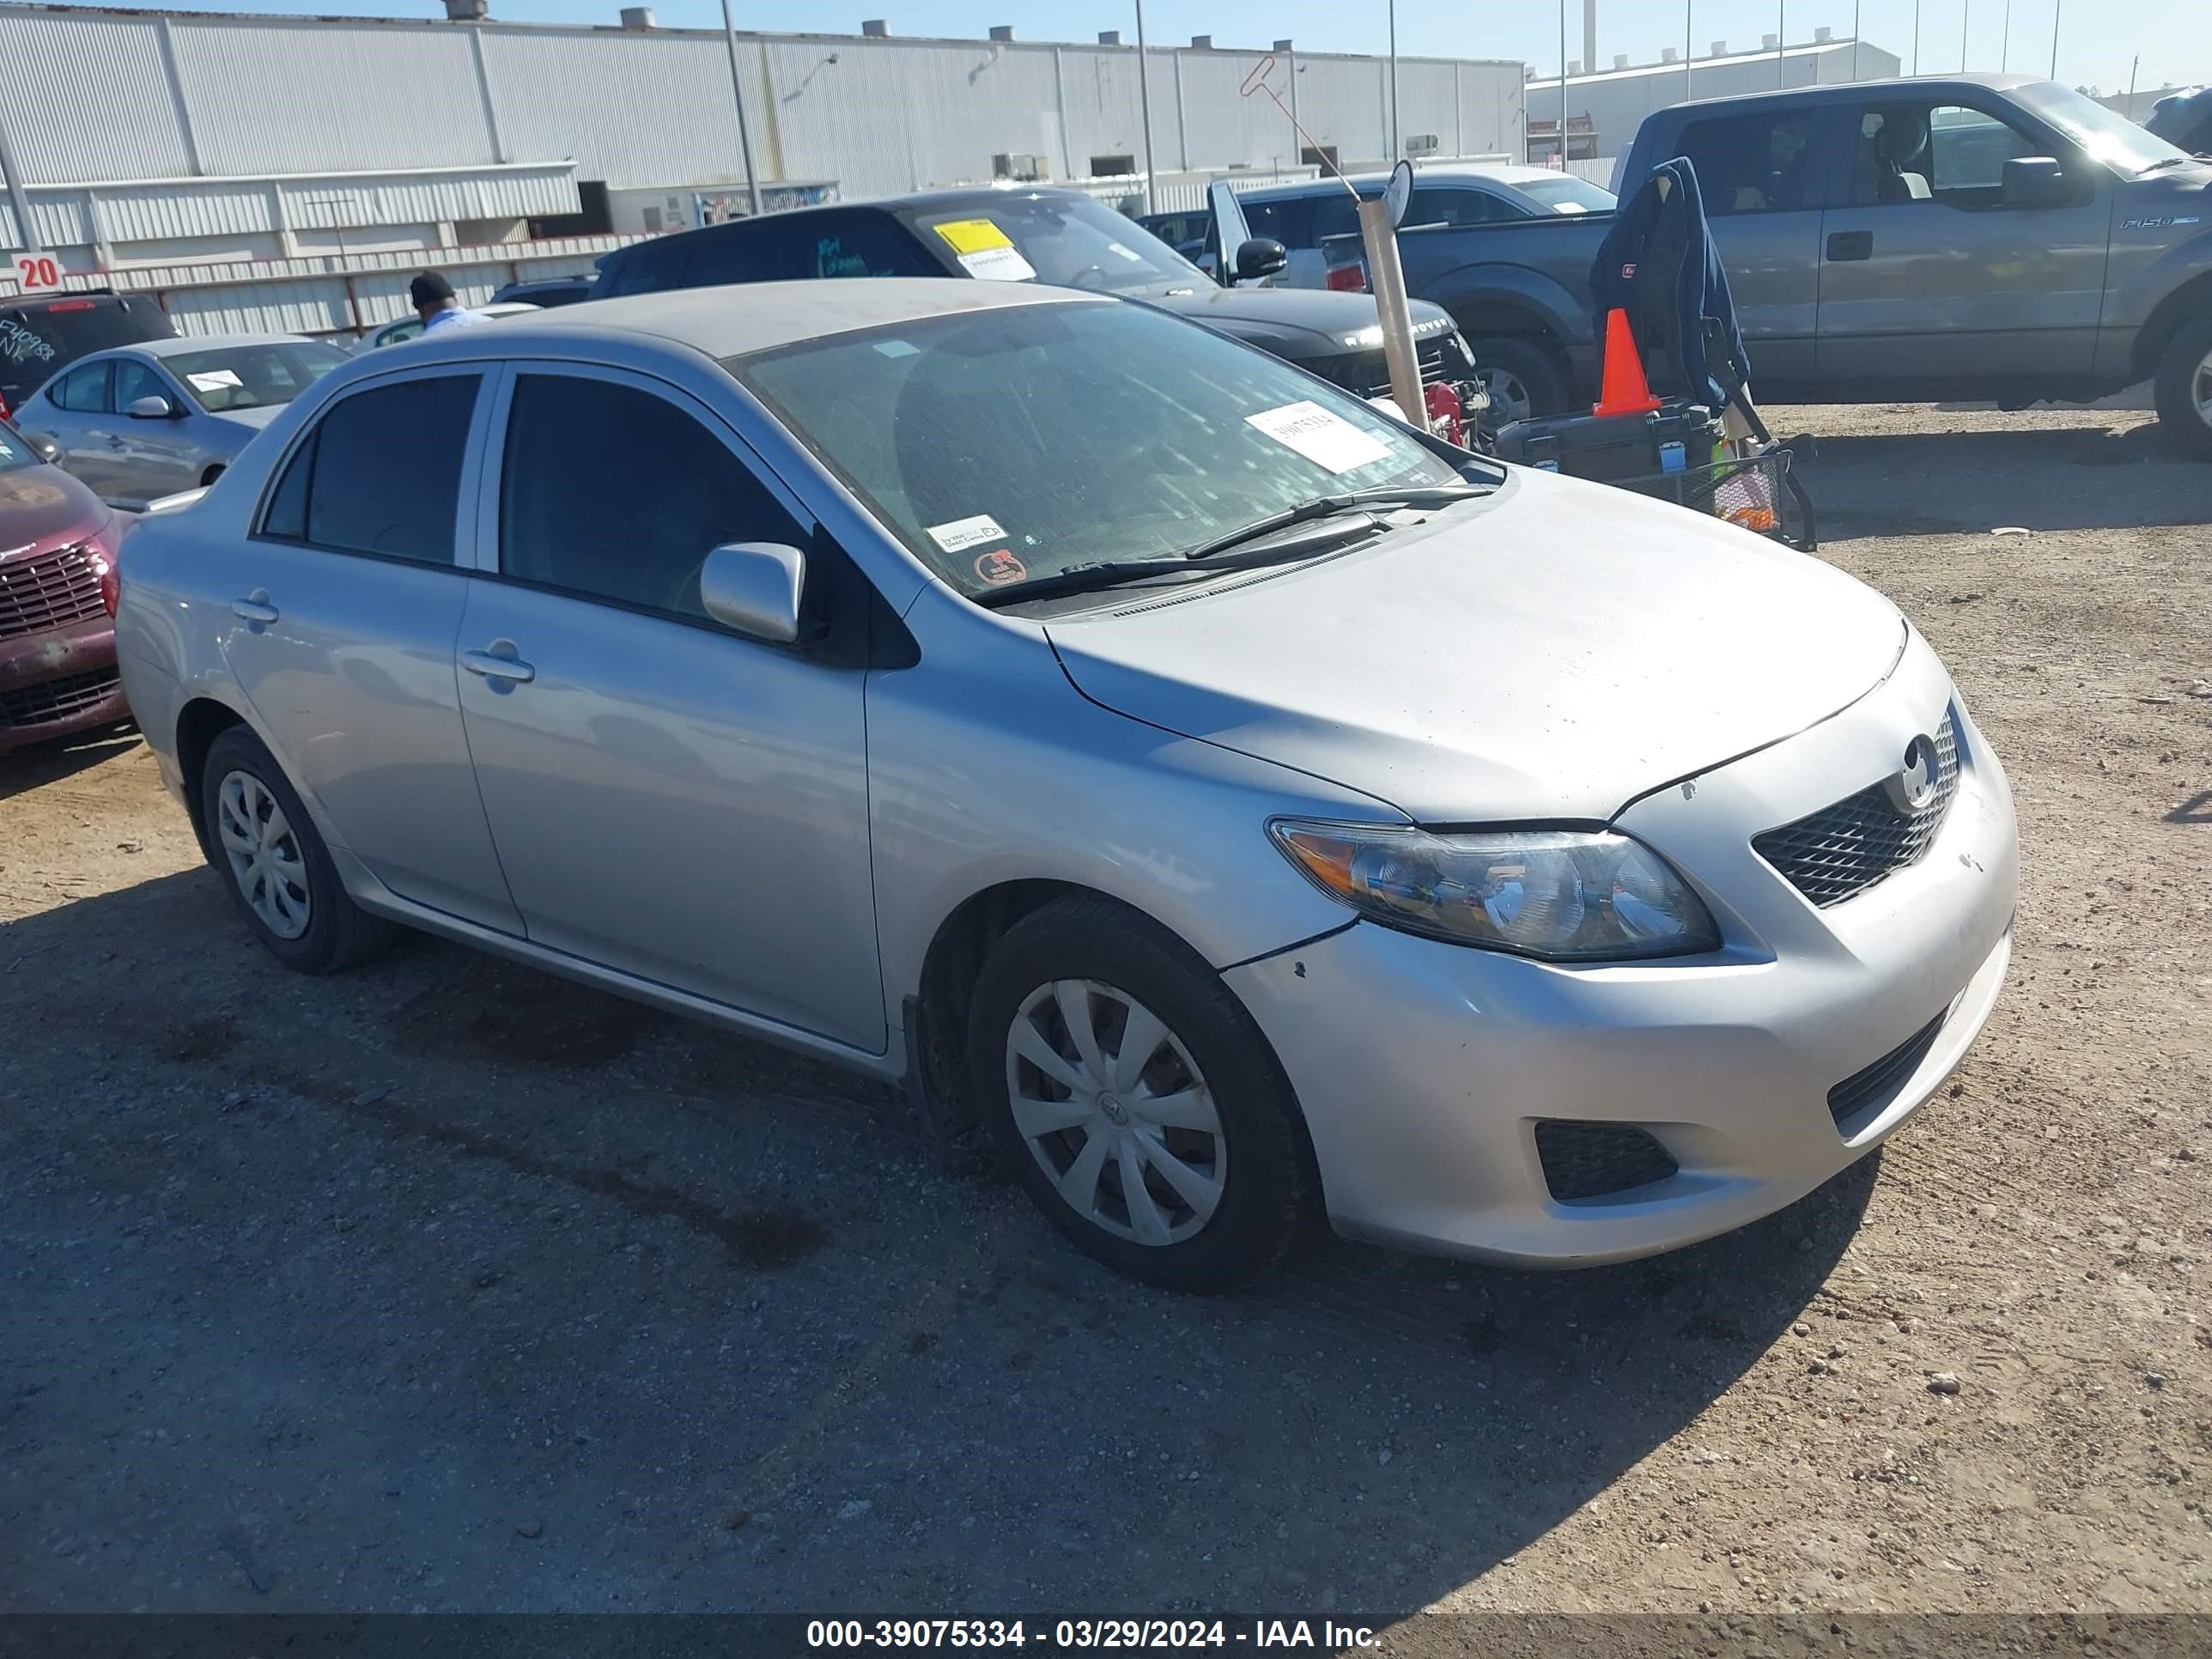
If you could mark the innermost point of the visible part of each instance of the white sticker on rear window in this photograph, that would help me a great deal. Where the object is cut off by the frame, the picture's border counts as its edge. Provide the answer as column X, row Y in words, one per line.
column 966, row 533
column 1324, row 439
column 997, row 264
column 215, row 380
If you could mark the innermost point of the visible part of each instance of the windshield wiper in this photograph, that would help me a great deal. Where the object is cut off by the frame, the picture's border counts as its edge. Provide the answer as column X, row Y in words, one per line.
column 1321, row 506
column 2167, row 161
column 1113, row 573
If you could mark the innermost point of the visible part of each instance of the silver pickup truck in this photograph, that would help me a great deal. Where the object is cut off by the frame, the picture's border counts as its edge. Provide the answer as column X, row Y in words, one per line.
column 1956, row 237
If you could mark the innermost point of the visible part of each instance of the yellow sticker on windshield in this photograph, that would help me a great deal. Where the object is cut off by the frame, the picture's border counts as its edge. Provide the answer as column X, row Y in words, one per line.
column 972, row 236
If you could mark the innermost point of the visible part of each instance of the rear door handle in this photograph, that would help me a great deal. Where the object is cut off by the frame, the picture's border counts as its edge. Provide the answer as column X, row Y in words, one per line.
column 499, row 665
column 254, row 607
column 1851, row 245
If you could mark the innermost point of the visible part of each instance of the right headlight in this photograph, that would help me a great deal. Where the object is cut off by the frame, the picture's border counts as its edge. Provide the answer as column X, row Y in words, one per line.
column 1560, row 895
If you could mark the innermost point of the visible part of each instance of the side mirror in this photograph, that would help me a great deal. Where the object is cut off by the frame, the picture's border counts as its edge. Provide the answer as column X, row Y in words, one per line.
column 44, row 447
column 1260, row 257
column 754, row 587
column 152, row 407
column 2035, row 181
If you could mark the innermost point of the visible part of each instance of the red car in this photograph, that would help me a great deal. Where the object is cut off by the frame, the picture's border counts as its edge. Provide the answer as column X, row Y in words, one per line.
column 57, row 592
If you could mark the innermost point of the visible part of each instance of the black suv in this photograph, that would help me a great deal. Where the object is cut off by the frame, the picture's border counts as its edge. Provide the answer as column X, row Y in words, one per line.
column 1057, row 236
column 45, row 333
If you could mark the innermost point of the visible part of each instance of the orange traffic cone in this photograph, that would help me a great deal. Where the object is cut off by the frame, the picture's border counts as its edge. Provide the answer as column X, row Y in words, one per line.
column 1623, row 390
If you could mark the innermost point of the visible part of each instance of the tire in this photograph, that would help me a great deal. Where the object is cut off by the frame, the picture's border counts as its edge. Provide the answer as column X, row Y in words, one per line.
column 1209, row 1060
column 2184, row 388
column 294, row 873
column 1502, row 358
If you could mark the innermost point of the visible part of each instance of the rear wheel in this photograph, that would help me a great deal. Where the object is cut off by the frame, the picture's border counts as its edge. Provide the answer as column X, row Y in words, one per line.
column 1136, row 1102
column 2184, row 388
column 278, row 872
column 1522, row 380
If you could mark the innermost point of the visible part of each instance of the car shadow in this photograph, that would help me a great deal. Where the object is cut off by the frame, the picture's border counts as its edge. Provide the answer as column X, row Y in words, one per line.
column 41, row 763
column 2036, row 477
column 470, row 1252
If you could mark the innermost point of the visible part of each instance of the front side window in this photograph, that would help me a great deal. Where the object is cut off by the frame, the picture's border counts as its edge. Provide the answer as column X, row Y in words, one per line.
column 252, row 377
column 381, row 472
column 1753, row 163
column 14, row 454
column 135, row 380
column 659, row 493
column 84, row 390
column 1453, row 207
column 1013, row 443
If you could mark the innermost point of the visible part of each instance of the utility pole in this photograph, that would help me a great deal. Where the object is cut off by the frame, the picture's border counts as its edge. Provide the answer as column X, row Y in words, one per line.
column 25, row 232
column 2004, row 51
column 1687, row 54
column 1397, row 140
column 2056, row 4
column 738, row 92
column 1855, row 39
column 1915, row 36
column 1145, row 108
column 1562, row 85
column 1966, row 16
column 1781, row 43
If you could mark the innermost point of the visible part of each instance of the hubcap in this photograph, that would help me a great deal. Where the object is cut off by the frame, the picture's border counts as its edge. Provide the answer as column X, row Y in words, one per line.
column 2200, row 389
column 1508, row 399
column 264, row 856
column 1115, row 1111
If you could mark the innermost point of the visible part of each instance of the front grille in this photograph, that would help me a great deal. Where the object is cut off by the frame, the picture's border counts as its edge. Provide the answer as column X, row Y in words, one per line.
column 1596, row 1160
column 1369, row 374
column 55, row 700
column 36, row 594
column 1841, row 850
column 1866, row 1091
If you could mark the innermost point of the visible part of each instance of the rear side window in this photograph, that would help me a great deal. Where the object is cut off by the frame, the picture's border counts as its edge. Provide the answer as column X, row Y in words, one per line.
column 1753, row 163
column 1455, row 207
column 1290, row 222
column 84, row 390
column 381, row 472
column 802, row 248
column 683, row 493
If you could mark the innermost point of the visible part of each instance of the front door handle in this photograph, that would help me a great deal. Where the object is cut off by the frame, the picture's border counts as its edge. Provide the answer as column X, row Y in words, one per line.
column 1851, row 245
column 254, row 607
column 499, row 663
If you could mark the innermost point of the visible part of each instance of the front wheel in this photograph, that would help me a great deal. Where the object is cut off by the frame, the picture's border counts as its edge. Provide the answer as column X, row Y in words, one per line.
column 1522, row 380
column 2184, row 388
column 1135, row 1100
column 279, row 875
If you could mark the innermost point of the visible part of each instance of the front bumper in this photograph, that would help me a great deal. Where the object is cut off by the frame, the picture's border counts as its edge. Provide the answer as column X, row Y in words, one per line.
column 59, row 682
column 1423, row 1068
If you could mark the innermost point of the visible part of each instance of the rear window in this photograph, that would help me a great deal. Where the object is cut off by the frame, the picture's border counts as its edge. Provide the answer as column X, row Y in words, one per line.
column 38, row 336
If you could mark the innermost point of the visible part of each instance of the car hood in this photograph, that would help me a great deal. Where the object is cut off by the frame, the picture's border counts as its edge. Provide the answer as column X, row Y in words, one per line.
column 252, row 418
column 1552, row 652
column 1298, row 322
column 43, row 507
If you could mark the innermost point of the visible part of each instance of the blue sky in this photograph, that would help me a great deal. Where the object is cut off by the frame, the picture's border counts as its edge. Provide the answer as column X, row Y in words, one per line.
column 2097, row 39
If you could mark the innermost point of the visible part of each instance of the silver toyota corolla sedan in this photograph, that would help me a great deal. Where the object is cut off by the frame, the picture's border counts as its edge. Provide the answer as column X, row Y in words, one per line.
column 1246, row 809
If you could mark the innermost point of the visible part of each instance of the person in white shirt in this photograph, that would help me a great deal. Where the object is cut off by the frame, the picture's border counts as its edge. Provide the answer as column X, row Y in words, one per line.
column 432, row 298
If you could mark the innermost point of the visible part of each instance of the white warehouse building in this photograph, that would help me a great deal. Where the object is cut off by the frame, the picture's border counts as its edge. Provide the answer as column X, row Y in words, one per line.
column 258, row 171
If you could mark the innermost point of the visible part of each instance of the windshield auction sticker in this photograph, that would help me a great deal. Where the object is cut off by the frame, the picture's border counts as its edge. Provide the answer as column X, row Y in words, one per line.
column 1324, row 439
column 984, row 251
column 966, row 533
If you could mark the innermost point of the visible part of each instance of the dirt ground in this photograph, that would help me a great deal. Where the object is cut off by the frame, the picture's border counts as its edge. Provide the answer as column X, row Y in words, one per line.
column 443, row 1285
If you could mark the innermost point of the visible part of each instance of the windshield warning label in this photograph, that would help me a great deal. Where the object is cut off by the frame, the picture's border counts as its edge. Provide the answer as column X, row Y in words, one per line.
column 1324, row 439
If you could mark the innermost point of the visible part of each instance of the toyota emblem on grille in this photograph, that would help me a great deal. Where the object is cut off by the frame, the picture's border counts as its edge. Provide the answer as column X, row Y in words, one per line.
column 1913, row 790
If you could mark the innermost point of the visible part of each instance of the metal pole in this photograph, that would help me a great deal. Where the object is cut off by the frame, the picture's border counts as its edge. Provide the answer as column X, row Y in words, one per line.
column 2004, row 51
column 1687, row 54
column 2054, row 7
column 1145, row 102
column 1562, row 85
column 1915, row 36
column 1855, row 39
column 738, row 92
column 1966, row 16
column 25, row 232
column 1781, row 43
column 1397, row 138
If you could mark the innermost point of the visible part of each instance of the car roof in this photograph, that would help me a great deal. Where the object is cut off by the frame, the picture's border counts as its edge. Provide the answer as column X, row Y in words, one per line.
column 1911, row 83
column 731, row 321
column 184, row 343
column 1501, row 173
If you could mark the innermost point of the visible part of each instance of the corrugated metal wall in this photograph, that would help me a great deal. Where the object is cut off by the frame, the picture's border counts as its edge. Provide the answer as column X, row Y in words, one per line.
column 89, row 98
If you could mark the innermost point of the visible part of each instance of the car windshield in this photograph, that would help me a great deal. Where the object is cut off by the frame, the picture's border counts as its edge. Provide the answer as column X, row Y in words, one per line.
column 1069, row 241
column 252, row 376
column 1568, row 194
column 14, row 451
column 1010, row 444
column 2106, row 136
